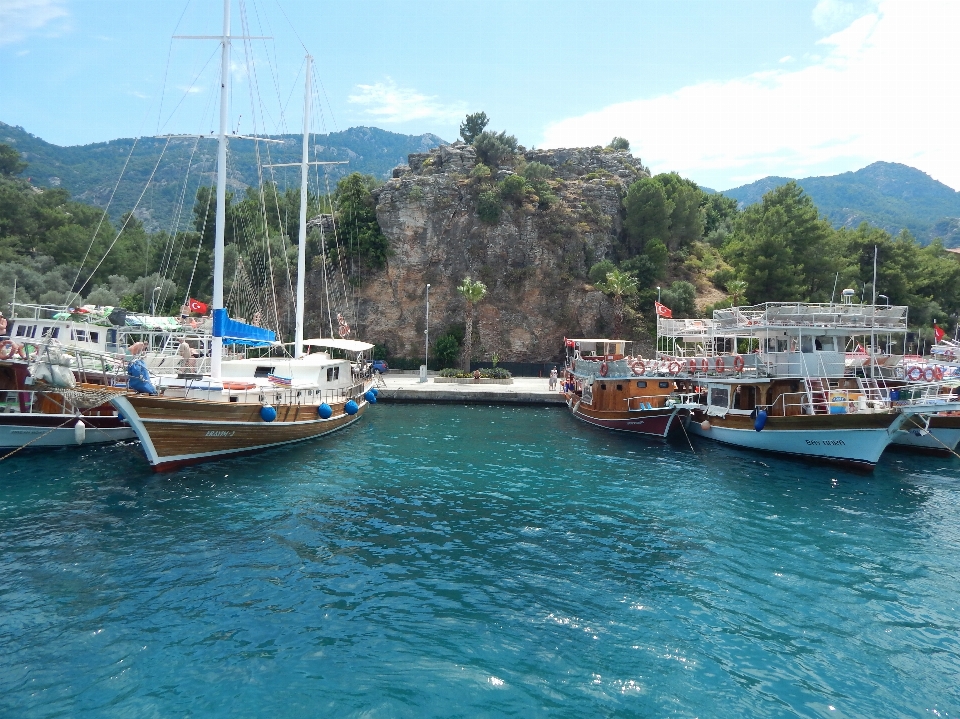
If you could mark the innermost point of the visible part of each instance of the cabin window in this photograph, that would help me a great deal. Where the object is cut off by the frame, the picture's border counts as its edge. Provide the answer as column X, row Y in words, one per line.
column 664, row 385
column 720, row 396
column 806, row 343
column 263, row 371
column 94, row 336
column 603, row 386
column 333, row 373
column 26, row 331
column 234, row 399
column 80, row 335
column 46, row 332
column 641, row 383
column 619, row 388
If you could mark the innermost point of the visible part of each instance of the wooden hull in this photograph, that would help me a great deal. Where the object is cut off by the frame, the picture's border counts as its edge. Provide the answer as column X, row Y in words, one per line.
column 650, row 423
column 852, row 440
column 175, row 432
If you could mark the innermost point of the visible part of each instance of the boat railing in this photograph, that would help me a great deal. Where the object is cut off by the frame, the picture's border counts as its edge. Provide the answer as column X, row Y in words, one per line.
column 834, row 401
column 931, row 394
column 46, row 401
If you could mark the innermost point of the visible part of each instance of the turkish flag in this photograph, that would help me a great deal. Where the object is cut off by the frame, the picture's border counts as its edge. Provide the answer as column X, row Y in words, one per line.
column 197, row 306
column 663, row 310
column 938, row 333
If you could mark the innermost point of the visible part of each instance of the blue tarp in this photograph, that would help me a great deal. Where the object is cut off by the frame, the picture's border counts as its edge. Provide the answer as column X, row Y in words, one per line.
column 238, row 333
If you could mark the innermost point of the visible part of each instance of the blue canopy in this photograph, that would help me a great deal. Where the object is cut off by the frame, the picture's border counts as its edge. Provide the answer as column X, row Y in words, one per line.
column 238, row 333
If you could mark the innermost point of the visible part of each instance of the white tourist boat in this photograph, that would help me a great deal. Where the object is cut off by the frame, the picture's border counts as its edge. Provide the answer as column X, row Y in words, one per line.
column 774, row 377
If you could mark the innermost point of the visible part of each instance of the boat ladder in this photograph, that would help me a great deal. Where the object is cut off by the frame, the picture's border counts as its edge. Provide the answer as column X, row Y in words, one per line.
column 818, row 389
column 870, row 389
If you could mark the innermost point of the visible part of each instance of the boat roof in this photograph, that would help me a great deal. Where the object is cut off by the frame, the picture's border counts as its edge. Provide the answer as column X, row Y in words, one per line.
column 348, row 345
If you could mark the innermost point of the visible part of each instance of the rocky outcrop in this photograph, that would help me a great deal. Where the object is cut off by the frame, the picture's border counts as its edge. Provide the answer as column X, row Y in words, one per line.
column 534, row 260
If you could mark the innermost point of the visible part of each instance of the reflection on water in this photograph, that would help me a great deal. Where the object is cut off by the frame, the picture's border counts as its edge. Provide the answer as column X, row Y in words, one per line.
column 444, row 561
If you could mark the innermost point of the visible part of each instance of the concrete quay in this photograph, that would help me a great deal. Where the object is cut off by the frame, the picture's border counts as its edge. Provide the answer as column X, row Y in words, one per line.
column 531, row 391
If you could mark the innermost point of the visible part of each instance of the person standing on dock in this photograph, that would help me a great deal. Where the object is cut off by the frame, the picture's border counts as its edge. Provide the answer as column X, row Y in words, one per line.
column 553, row 379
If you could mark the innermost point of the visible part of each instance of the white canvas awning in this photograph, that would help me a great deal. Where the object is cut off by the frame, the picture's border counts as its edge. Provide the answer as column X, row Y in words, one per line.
column 347, row 345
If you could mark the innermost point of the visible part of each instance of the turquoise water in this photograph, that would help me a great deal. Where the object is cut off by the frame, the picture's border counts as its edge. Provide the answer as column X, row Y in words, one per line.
column 478, row 561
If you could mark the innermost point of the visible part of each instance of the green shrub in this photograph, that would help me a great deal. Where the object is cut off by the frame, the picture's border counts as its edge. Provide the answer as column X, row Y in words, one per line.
column 537, row 171
column 492, row 147
column 489, row 207
column 416, row 193
column 512, row 187
column 480, row 172
column 619, row 143
column 598, row 273
column 446, row 350
column 495, row 373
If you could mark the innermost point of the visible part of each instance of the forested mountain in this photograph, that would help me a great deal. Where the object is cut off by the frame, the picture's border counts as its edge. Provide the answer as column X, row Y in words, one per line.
column 885, row 194
column 90, row 172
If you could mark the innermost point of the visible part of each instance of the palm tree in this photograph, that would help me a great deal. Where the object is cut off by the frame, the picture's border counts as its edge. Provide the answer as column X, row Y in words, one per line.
column 737, row 290
column 619, row 284
column 473, row 291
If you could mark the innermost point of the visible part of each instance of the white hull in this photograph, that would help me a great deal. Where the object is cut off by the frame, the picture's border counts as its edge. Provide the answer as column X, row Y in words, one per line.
column 939, row 439
column 12, row 436
column 861, row 447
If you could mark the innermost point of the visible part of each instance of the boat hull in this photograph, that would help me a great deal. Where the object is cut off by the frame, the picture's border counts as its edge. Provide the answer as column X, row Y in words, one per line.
column 941, row 436
column 176, row 432
column 649, row 423
column 851, row 440
column 57, row 430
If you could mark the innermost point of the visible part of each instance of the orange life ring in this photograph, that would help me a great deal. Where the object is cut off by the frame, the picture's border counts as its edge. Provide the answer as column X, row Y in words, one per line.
column 693, row 365
column 604, row 369
column 929, row 374
column 738, row 363
column 344, row 330
column 719, row 365
column 914, row 373
column 238, row 385
column 638, row 366
column 704, row 365
column 938, row 373
column 8, row 348
column 674, row 367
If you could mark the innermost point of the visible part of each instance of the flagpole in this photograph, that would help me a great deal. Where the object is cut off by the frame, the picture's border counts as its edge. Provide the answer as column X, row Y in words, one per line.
column 873, row 319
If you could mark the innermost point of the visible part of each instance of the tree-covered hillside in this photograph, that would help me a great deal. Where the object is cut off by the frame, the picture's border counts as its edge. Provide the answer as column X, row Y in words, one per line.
column 91, row 172
column 888, row 195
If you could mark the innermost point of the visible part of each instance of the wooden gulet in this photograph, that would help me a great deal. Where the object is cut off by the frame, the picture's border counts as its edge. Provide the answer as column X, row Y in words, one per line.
column 249, row 405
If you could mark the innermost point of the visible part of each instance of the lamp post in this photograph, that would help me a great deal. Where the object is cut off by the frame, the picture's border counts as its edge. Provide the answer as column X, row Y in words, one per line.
column 153, row 303
column 658, row 293
column 426, row 338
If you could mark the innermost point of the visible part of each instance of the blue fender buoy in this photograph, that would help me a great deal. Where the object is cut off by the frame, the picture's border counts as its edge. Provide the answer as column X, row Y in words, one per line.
column 268, row 413
column 351, row 408
column 376, row 392
column 324, row 411
column 370, row 396
column 761, row 420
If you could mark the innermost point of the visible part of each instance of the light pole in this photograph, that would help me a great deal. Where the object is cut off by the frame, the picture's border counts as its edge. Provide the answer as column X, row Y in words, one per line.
column 426, row 337
column 658, row 293
column 153, row 304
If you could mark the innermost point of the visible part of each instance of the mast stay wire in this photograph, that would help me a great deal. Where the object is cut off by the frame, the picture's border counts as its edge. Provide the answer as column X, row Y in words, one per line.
column 129, row 216
column 254, row 86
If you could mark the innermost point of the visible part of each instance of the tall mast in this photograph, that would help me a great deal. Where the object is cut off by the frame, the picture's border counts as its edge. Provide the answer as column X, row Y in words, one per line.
column 216, row 350
column 302, row 237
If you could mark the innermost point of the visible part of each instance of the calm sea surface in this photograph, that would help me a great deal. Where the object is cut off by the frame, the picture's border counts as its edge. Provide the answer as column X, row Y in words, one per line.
column 478, row 561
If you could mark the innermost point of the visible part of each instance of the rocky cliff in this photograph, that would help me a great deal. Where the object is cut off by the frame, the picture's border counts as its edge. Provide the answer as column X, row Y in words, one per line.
column 534, row 259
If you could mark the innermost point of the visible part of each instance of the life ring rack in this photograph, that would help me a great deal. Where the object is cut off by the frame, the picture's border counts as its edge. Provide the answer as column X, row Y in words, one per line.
column 8, row 348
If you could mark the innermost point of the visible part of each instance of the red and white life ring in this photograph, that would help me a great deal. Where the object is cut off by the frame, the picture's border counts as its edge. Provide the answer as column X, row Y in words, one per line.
column 938, row 373
column 718, row 364
column 704, row 365
column 693, row 365
column 914, row 373
column 8, row 348
column 738, row 363
column 674, row 367
column 929, row 374
column 344, row 330
column 638, row 366
column 604, row 369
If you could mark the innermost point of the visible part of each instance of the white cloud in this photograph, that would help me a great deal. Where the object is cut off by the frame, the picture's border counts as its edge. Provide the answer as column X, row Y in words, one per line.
column 389, row 103
column 786, row 58
column 19, row 18
column 830, row 15
column 882, row 90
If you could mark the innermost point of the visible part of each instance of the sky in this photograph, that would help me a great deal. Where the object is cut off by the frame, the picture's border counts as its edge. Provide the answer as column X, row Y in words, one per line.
column 722, row 91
